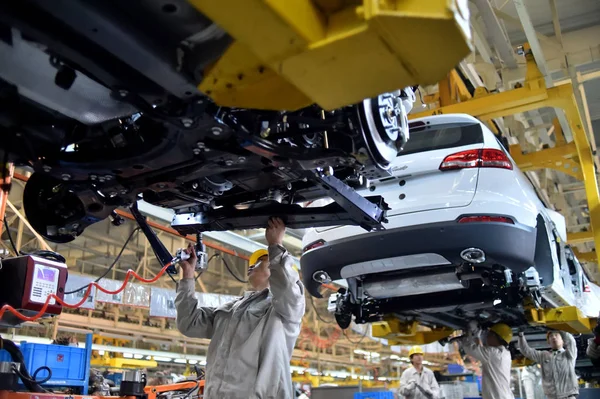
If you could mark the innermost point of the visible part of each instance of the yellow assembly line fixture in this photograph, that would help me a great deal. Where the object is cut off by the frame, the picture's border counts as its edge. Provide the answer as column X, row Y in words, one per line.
column 289, row 54
column 398, row 332
column 567, row 318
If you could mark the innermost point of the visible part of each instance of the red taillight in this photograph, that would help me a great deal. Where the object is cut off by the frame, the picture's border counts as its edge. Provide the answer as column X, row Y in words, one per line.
column 586, row 288
column 482, row 158
column 485, row 219
column 316, row 244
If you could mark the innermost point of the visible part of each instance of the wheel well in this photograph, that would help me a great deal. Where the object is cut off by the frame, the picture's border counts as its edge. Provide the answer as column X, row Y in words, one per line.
column 543, row 253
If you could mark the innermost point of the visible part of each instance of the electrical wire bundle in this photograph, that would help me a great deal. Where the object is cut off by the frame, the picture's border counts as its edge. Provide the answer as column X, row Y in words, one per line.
column 30, row 382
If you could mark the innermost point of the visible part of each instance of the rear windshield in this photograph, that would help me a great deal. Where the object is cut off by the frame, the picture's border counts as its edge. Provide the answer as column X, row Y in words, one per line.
column 437, row 137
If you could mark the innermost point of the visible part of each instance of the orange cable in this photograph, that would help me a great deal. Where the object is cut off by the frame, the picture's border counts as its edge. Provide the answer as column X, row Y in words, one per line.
column 88, row 291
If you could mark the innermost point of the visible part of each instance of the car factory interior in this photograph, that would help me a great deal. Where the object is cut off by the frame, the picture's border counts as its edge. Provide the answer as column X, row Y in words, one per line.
column 364, row 199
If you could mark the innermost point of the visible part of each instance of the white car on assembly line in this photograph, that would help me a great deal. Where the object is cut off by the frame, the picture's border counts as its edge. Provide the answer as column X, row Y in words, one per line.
column 467, row 238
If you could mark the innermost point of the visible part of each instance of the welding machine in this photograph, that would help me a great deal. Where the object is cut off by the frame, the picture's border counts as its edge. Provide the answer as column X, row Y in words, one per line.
column 27, row 281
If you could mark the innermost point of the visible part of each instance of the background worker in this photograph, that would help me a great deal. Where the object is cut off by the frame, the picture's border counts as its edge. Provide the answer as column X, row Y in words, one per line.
column 559, row 380
column 593, row 348
column 252, row 338
column 495, row 360
column 418, row 382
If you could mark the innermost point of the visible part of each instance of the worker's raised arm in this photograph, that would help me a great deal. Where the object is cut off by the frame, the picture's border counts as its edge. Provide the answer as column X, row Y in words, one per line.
column 528, row 352
column 284, row 282
column 192, row 321
column 569, row 344
column 473, row 347
column 593, row 352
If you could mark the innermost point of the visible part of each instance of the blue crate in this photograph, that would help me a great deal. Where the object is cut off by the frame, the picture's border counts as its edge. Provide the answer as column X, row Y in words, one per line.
column 116, row 378
column 374, row 395
column 66, row 362
column 455, row 369
column 69, row 365
column 5, row 356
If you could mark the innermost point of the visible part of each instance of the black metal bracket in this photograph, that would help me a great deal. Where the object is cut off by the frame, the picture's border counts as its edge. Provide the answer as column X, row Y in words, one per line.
column 350, row 208
column 160, row 251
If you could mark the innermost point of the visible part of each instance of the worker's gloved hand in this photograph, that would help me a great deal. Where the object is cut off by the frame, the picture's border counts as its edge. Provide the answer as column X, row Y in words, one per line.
column 412, row 384
column 521, row 334
column 275, row 231
column 188, row 266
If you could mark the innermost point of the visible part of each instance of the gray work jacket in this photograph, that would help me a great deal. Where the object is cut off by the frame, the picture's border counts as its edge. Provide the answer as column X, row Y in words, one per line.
column 559, row 380
column 426, row 385
column 252, row 338
column 495, row 368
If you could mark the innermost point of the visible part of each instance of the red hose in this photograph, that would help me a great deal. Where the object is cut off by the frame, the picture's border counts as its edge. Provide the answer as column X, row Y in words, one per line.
column 8, row 308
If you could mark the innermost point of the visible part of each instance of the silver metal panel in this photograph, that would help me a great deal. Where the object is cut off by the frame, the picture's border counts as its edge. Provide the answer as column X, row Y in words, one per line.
column 391, row 264
column 28, row 67
column 413, row 286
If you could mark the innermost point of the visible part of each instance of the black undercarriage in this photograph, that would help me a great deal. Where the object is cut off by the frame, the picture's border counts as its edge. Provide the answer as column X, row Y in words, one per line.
column 100, row 100
column 487, row 296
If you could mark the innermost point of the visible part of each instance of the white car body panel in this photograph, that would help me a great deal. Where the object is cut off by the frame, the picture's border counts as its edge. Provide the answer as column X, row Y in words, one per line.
column 432, row 196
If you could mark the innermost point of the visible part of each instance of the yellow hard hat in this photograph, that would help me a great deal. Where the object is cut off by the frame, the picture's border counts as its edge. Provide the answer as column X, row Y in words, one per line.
column 256, row 256
column 503, row 331
column 415, row 350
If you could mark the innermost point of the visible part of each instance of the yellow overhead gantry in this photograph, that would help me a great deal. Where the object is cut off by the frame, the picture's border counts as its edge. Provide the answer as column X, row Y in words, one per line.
column 289, row 54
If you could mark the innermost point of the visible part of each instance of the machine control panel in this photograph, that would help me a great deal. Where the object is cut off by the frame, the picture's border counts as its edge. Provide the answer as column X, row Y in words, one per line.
column 43, row 283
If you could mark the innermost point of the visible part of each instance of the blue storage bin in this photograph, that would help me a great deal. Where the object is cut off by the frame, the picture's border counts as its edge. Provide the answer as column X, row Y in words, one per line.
column 66, row 362
column 374, row 395
column 116, row 378
column 69, row 364
column 455, row 369
column 5, row 356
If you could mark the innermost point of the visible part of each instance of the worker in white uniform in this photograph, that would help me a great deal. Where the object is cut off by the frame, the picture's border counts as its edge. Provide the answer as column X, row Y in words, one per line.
column 559, row 380
column 418, row 382
column 252, row 338
column 495, row 360
column 593, row 348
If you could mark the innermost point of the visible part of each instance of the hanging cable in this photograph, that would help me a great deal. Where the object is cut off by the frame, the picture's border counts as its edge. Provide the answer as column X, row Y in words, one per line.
column 312, row 302
column 356, row 343
column 231, row 271
column 111, row 266
column 207, row 263
column 12, row 243
column 42, row 311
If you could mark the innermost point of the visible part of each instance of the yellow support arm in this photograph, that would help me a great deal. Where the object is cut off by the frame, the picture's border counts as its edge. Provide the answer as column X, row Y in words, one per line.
column 567, row 318
column 289, row 54
column 401, row 333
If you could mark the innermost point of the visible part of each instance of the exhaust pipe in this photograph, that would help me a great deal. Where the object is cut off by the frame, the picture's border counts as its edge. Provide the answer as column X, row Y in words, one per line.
column 473, row 255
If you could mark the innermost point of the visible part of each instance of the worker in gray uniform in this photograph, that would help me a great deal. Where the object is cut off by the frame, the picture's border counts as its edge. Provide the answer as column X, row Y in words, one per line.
column 559, row 380
column 252, row 338
column 418, row 382
column 494, row 357
column 593, row 348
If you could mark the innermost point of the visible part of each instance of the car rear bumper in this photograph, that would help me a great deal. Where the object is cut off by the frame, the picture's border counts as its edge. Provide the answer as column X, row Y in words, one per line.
column 509, row 245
